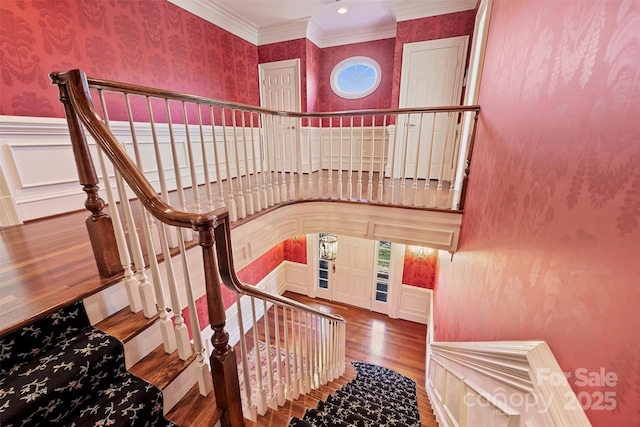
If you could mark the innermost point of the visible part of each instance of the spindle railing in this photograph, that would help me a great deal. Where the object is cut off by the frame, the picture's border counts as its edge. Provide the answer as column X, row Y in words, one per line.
column 196, row 165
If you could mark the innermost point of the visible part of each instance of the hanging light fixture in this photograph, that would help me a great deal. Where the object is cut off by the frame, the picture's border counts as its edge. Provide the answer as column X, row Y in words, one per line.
column 328, row 247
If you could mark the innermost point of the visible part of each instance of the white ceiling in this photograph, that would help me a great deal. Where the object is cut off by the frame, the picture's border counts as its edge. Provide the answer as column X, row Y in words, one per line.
column 270, row 21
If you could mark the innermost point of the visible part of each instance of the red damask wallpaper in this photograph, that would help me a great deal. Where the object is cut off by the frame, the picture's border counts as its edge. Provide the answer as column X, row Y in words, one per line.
column 550, row 237
column 423, row 29
column 419, row 271
column 153, row 43
column 313, row 75
column 295, row 249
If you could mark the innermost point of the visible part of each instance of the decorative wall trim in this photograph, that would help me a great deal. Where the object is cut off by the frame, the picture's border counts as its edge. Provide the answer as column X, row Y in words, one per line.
column 387, row 31
column 222, row 17
column 414, row 304
column 439, row 230
column 501, row 383
column 291, row 30
column 416, row 9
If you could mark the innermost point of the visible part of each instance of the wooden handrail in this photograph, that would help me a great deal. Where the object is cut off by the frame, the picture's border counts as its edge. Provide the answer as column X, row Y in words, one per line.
column 134, row 89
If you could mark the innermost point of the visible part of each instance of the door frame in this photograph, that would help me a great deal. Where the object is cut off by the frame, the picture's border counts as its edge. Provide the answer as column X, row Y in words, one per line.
column 287, row 63
column 462, row 42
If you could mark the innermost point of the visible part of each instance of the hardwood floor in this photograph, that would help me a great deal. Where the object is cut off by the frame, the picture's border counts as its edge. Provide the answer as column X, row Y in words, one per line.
column 48, row 263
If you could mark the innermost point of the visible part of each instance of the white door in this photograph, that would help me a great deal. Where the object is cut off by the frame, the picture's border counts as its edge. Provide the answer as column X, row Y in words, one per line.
column 280, row 90
column 353, row 281
column 349, row 278
column 432, row 75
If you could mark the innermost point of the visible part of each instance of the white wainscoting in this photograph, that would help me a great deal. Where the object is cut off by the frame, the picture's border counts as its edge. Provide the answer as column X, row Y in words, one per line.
column 297, row 277
column 500, row 383
column 37, row 159
column 414, row 303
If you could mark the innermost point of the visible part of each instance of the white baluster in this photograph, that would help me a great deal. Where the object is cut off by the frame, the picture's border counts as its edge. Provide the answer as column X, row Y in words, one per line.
column 269, row 145
column 394, row 149
column 260, row 392
column 321, row 193
column 172, row 239
column 241, row 203
column 283, row 171
column 280, row 387
column 371, row 158
column 287, row 358
column 256, row 175
column 264, row 172
column 295, row 377
column 233, row 212
column 247, row 173
column 405, row 150
column 203, row 374
column 249, row 407
column 350, row 177
column 330, row 170
column 131, row 284
column 383, row 166
column 272, row 398
column 216, row 157
column 427, row 184
column 360, row 167
column 414, row 187
column 205, row 162
column 308, row 371
column 192, row 163
column 340, row 168
column 309, row 193
column 152, row 240
column 181, row 332
column 293, row 170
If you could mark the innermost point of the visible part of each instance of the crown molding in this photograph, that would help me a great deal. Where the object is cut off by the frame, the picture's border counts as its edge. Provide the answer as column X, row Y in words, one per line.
column 406, row 10
column 283, row 32
column 385, row 31
column 222, row 17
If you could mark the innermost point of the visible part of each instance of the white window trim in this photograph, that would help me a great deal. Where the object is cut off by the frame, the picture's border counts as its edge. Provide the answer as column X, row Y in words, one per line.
column 347, row 63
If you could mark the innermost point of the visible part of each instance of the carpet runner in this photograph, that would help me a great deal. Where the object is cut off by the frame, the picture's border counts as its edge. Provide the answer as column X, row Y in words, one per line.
column 62, row 371
column 376, row 397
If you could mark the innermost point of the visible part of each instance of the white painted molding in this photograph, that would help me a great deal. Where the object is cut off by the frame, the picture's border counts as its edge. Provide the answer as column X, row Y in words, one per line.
column 439, row 230
column 406, row 10
column 414, row 303
column 291, row 30
column 8, row 207
column 222, row 17
column 386, row 31
column 520, row 380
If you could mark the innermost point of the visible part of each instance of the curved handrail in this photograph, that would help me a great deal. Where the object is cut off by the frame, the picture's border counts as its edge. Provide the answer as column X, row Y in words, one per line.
column 149, row 91
column 77, row 85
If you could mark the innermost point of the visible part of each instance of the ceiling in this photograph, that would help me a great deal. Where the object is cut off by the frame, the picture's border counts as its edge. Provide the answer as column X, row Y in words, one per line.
column 271, row 21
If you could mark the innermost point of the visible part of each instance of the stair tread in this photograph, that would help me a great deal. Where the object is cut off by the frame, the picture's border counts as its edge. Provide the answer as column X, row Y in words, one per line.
column 125, row 325
column 160, row 368
column 195, row 410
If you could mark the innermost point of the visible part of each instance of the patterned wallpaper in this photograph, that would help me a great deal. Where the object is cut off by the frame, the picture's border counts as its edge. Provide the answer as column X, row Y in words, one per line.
column 550, row 238
column 423, row 29
column 153, row 43
column 419, row 270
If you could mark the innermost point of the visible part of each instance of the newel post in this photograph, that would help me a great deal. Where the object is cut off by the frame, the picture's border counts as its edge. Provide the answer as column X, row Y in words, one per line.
column 99, row 226
column 224, row 368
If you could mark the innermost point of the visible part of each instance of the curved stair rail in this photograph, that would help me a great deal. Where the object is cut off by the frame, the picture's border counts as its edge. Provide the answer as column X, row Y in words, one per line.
column 148, row 294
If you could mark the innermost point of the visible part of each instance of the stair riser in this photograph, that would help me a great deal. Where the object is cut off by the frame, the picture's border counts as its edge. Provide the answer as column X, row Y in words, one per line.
column 179, row 387
column 103, row 304
column 142, row 344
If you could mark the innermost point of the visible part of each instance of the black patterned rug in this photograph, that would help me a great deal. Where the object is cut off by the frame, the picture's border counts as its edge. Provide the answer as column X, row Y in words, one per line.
column 62, row 371
column 377, row 396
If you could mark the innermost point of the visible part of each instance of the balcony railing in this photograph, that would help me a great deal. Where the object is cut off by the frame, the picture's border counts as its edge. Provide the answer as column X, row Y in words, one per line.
column 196, row 165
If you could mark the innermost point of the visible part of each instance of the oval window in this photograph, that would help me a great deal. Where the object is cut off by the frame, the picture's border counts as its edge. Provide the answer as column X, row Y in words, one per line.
column 355, row 77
